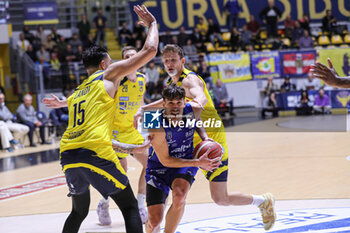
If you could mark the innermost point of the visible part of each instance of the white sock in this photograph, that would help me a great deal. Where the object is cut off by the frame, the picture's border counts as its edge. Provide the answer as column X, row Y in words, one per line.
column 258, row 200
column 103, row 200
column 141, row 200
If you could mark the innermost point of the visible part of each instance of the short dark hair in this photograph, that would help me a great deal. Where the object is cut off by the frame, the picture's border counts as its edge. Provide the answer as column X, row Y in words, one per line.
column 93, row 56
column 127, row 48
column 173, row 48
column 173, row 91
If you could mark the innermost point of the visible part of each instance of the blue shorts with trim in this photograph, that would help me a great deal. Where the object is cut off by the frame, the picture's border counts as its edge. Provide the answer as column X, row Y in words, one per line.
column 162, row 178
column 83, row 167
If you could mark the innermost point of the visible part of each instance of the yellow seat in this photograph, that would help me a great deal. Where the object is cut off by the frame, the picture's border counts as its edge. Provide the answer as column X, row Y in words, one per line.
column 323, row 40
column 286, row 42
column 210, row 47
column 263, row 35
column 347, row 38
column 336, row 39
column 226, row 36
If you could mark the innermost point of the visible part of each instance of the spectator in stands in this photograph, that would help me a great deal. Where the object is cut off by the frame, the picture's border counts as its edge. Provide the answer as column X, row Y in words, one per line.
column 165, row 39
column 202, row 27
column 18, row 130
column 69, row 55
column 62, row 45
column 50, row 43
column 31, row 53
column 138, row 45
column 182, row 37
column 270, row 87
column 311, row 83
column 322, row 103
column 27, row 34
column 235, row 40
column 304, row 106
column 246, row 37
column 221, row 98
column 124, row 35
column 6, row 137
column 214, row 32
column 232, row 9
column 100, row 24
column 75, row 42
column 191, row 66
column 288, row 26
column 152, row 75
column 22, row 44
column 197, row 39
column 84, row 28
column 189, row 48
column 138, row 29
column 89, row 42
column 306, row 41
column 54, row 34
column 270, row 105
column 40, row 34
column 287, row 85
column 253, row 26
column 297, row 33
column 204, row 72
column 54, row 62
column 59, row 116
column 270, row 16
column 42, row 54
column 305, row 22
column 79, row 53
column 27, row 115
column 329, row 23
column 174, row 40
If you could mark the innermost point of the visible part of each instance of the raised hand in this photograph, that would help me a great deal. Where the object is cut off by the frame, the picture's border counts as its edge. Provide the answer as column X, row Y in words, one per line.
column 146, row 18
column 328, row 75
column 54, row 102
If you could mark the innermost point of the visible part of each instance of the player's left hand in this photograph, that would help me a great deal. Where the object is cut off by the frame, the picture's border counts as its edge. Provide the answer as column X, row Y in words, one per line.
column 54, row 102
column 146, row 18
column 328, row 75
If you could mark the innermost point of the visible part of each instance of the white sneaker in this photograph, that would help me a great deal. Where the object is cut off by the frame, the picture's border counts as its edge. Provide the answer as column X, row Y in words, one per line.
column 103, row 213
column 143, row 215
column 267, row 209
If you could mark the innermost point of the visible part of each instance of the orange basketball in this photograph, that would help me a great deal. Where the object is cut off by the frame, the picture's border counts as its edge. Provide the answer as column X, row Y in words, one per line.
column 214, row 147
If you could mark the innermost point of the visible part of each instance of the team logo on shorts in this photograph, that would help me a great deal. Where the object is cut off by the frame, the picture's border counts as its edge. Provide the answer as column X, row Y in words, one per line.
column 151, row 119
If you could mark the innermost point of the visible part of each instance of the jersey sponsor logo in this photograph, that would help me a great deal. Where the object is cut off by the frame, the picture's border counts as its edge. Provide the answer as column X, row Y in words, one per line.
column 123, row 105
column 305, row 220
column 123, row 98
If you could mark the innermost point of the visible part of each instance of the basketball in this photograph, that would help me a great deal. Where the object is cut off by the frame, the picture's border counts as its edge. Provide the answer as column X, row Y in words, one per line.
column 214, row 147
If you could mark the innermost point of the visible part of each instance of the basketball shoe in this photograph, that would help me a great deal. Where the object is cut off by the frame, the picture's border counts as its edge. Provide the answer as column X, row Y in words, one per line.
column 267, row 209
column 103, row 212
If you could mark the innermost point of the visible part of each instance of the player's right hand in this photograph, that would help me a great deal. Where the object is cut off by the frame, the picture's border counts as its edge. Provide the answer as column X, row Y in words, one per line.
column 137, row 117
column 328, row 75
column 208, row 164
column 54, row 102
column 146, row 18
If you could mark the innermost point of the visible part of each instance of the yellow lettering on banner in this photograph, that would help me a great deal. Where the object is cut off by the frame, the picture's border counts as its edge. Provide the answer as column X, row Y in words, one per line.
column 300, row 9
column 245, row 14
column 287, row 9
column 150, row 4
column 319, row 15
column 191, row 12
column 221, row 17
column 166, row 18
column 341, row 5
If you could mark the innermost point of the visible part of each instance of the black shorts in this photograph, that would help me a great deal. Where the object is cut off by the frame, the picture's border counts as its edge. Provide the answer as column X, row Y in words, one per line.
column 155, row 196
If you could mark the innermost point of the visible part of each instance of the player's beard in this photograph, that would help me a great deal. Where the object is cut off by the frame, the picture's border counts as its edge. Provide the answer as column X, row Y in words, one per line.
column 174, row 73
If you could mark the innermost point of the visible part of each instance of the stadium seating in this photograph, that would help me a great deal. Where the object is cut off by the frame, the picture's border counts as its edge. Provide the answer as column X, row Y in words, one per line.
column 226, row 36
column 323, row 40
column 210, row 47
column 286, row 41
column 347, row 38
column 263, row 35
column 336, row 40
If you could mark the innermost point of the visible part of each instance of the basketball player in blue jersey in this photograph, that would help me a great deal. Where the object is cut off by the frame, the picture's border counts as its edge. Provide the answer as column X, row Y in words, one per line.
column 129, row 99
column 86, row 152
column 170, row 163
column 197, row 93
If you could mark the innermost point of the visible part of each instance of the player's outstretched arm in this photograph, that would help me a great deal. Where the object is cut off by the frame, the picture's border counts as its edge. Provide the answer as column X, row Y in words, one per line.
column 120, row 69
column 196, row 90
column 160, row 145
column 329, row 75
column 200, row 130
column 54, row 102
column 131, row 148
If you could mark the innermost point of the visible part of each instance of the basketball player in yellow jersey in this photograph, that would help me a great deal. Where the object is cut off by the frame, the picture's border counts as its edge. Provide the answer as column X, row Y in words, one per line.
column 86, row 152
column 129, row 99
column 196, row 91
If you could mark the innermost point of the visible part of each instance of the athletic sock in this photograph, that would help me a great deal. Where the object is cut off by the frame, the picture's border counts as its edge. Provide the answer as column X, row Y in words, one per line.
column 258, row 200
column 141, row 200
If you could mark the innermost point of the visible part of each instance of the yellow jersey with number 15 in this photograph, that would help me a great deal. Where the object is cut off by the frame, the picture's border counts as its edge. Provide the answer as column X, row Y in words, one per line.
column 91, row 114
